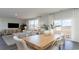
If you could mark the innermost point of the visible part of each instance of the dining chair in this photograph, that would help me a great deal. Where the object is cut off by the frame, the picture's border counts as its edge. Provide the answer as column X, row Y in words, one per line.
column 21, row 44
column 58, row 44
column 61, row 43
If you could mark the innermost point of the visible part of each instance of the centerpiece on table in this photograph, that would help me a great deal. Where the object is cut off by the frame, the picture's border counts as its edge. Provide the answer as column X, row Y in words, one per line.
column 46, row 29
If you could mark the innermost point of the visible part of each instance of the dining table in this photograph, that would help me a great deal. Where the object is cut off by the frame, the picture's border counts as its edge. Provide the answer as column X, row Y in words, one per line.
column 40, row 42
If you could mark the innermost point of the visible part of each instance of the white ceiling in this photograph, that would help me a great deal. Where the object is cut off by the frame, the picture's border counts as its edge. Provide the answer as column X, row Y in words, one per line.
column 25, row 13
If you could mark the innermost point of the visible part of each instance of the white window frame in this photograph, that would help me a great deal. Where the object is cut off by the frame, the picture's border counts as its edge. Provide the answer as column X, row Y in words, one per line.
column 33, row 25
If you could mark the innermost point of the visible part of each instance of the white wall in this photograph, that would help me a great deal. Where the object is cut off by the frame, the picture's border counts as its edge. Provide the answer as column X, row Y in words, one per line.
column 67, row 14
column 4, row 22
column 76, row 25
column 43, row 20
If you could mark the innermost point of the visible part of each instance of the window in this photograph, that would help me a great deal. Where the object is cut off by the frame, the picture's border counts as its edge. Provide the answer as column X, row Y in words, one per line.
column 67, row 23
column 33, row 24
column 57, row 22
column 63, row 22
column 36, row 23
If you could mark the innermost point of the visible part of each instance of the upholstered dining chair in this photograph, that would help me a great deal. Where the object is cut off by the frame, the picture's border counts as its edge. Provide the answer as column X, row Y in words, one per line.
column 58, row 44
column 21, row 44
column 61, row 42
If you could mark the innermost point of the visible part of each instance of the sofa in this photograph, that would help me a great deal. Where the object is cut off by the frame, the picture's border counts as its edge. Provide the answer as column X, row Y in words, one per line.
column 9, row 31
column 7, row 35
column 8, row 39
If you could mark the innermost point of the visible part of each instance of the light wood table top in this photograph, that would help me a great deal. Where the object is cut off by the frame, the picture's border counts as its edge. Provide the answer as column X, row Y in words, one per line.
column 39, row 41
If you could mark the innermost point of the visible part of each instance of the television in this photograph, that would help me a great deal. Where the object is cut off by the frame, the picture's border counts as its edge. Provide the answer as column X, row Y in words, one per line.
column 13, row 25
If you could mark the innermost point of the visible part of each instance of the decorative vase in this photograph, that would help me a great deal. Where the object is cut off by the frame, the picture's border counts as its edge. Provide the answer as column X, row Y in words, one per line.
column 47, row 32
